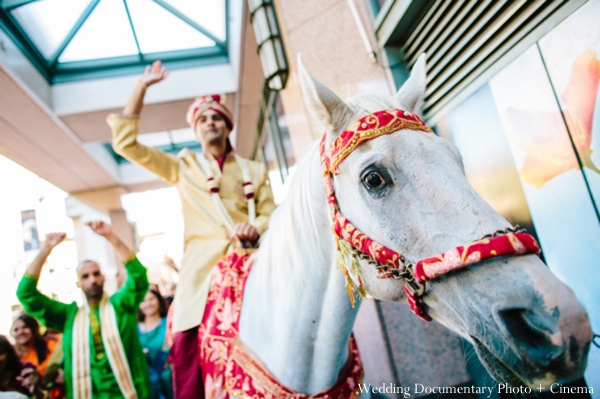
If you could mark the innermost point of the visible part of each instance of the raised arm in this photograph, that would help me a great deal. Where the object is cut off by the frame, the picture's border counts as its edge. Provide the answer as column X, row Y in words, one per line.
column 124, row 251
column 152, row 75
column 50, row 312
column 136, row 284
column 52, row 240
column 125, row 128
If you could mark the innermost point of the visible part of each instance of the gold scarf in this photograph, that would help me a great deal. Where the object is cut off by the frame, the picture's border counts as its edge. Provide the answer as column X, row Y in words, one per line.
column 82, row 380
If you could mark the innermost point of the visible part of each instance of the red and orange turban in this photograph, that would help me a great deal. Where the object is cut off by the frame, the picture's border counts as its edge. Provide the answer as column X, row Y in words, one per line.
column 213, row 102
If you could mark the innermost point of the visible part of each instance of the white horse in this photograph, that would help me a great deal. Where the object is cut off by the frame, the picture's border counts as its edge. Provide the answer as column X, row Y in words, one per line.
column 407, row 191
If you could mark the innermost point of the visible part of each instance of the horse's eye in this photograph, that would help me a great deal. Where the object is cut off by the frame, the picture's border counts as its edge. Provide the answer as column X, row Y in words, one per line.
column 373, row 180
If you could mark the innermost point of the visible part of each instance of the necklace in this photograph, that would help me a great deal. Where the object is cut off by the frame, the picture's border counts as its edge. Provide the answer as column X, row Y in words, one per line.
column 213, row 187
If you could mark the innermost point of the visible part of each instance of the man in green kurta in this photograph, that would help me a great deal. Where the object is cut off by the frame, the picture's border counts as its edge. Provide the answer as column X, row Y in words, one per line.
column 115, row 366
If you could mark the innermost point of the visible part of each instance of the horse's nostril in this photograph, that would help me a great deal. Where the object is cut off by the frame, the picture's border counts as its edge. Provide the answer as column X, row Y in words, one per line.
column 531, row 333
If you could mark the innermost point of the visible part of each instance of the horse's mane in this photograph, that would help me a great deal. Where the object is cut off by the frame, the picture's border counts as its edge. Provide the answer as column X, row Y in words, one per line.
column 298, row 239
column 292, row 248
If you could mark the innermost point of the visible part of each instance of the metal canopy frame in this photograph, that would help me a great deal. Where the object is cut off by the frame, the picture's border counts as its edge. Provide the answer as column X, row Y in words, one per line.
column 56, row 72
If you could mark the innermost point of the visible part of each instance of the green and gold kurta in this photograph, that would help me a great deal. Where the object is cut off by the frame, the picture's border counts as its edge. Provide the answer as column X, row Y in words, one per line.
column 60, row 316
column 206, row 238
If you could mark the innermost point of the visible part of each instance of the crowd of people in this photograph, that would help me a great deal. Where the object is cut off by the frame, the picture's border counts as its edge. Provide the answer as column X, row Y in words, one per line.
column 118, row 345
column 33, row 365
column 39, row 353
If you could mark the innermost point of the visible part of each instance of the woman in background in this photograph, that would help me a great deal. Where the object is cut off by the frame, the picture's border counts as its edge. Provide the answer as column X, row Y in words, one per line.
column 152, row 328
column 30, row 345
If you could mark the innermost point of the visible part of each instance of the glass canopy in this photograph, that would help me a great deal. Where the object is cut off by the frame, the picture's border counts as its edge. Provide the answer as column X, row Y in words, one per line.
column 70, row 40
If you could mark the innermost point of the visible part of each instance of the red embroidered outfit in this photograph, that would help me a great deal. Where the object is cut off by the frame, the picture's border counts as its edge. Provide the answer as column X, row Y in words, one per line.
column 228, row 368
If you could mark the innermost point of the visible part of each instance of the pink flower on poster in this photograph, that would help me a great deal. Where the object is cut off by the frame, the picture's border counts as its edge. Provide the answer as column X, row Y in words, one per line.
column 580, row 98
column 549, row 151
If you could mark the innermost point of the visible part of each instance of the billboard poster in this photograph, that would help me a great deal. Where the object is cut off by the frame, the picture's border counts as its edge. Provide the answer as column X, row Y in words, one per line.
column 31, row 239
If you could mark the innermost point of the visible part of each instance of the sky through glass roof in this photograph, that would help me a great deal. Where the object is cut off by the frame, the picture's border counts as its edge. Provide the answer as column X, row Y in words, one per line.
column 77, row 39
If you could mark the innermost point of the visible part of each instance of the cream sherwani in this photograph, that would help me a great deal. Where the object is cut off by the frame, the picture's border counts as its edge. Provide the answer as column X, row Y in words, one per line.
column 206, row 238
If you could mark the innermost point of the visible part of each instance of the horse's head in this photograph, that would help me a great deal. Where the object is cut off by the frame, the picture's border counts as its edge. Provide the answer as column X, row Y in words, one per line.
column 405, row 189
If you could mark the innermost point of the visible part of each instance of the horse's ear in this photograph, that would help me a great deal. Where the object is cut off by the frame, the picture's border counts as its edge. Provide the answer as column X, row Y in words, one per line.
column 325, row 105
column 412, row 93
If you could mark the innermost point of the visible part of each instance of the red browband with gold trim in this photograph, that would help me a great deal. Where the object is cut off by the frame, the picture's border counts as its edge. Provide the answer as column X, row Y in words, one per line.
column 354, row 244
column 367, row 128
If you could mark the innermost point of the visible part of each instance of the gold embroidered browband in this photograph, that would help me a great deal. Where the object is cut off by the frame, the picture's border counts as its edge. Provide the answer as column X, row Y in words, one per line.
column 368, row 128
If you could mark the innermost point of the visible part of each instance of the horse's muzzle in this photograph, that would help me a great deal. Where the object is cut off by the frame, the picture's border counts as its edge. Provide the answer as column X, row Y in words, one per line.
column 539, row 346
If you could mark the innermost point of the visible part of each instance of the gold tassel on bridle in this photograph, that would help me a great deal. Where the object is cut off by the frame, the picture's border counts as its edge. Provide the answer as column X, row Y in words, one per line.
column 344, row 251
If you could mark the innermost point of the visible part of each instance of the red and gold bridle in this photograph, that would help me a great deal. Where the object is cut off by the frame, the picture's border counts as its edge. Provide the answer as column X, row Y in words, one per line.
column 355, row 245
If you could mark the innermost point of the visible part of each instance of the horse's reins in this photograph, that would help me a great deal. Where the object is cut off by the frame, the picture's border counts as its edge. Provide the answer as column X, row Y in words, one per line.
column 353, row 244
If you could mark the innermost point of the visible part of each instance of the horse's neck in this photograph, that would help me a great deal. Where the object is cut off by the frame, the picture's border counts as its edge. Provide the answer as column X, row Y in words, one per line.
column 302, row 337
column 298, row 329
